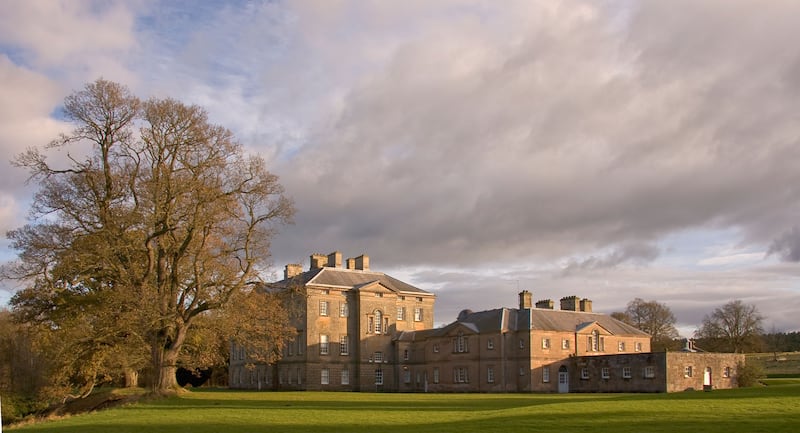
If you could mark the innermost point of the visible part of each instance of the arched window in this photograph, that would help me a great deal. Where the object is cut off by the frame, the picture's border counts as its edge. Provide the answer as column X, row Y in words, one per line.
column 378, row 321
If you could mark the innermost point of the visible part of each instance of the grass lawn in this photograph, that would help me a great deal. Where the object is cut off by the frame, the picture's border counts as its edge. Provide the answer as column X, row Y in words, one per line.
column 774, row 408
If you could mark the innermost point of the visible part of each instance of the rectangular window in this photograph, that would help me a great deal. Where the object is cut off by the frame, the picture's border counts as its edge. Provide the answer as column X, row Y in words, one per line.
column 460, row 375
column 378, row 357
column 649, row 372
column 344, row 311
column 323, row 344
column 626, row 372
column 370, row 324
column 605, row 373
column 726, row 372
column 323, row 308
column 379, row 377
column 436, row 375
column 521, row 371
column 300, row 342
column 565, row 344
column 401, row 313
column 345, row 377
column 299, row 377
column 344, row 345
column 637, row 346
column 546, row 374
column 407, row 376
column 621, row 346
column 378, row 295
column 490, row 344
column 584, row 373
column 545, row 343
column 325, row 376
column 435, row 348
column 687, row 371
column 291, row 348
column 489, row 374
column 417, row 314
column 521, row 343
column 460, row 344
column 405, row 355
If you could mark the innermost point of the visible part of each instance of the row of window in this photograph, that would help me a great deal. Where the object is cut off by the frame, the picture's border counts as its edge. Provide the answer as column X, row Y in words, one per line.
column 648, row 372
column 688, row 371
column 595, row 344
column 344, row 311
column 344, row 345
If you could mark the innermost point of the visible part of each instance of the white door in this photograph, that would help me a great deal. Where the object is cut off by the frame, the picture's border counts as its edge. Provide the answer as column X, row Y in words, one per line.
column 707, row 378
column 563, row 380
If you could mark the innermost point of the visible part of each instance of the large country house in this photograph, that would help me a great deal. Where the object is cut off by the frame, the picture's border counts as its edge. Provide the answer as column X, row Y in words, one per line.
column 361, row 330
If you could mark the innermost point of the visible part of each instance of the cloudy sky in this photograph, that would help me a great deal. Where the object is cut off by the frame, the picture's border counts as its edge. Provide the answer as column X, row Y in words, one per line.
column 606, row 149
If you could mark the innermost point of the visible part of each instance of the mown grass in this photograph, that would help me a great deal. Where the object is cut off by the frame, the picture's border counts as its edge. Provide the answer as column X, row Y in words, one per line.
column 774, row 408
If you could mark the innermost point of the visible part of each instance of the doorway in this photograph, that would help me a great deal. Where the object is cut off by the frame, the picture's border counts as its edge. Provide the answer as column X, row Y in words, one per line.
column 707, row 379
column 563, row 379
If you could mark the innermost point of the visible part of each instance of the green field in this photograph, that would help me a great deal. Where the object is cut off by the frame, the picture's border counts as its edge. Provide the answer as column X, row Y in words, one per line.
column 772, row 408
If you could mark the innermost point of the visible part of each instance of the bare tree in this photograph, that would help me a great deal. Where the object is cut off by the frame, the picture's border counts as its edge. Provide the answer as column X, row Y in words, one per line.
column 654, row 318
column 735, row 327
column 165, row 220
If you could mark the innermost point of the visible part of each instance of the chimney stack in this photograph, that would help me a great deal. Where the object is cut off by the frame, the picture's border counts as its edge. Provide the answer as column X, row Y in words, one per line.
column 318, row 261
column 335, row 259
column 546, row 304
column 586, row 305
column 525, row 300
column 291, row 270
column 569, row 303
column 351, row 263
column 362, row 262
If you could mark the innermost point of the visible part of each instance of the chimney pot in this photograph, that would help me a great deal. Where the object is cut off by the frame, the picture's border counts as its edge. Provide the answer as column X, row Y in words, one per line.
column 362, row 262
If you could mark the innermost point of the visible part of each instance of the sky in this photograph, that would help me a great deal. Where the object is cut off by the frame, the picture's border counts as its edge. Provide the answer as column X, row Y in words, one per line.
column 610, row 150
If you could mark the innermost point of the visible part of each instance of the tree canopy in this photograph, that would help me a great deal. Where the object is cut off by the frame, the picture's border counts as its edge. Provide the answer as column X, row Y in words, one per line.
column 654, row 318
column 734, row 327
column 165, row 221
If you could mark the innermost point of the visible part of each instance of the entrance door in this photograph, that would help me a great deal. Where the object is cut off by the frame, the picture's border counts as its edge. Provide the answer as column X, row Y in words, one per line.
column 707, row 379
column 563, row 379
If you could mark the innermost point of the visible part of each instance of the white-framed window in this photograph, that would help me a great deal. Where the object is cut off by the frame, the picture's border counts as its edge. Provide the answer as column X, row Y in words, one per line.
column 460, row 375
column 545, row 374
column 436, row 348
column 325, row 376
column 584, row 373
column 407, row 376
column 378, row 357
column 323, row 308
column 460, row 344
column 490, row 343
column 621, row 346
column 417, row 314
column 687, row 371
column 344, row 345
column 419, row 299
column 626, row 372
column 489, row 374
column 378, row 321
column 401, row 313
column 405, row 354
column 370, row 324
column 726, row 372
column 565, row 344
column 637, row 346
column 345, row 377
column 649, row 372
column 385, row 324
column 435, row 374
column 605, row 374
column 521, row 343
column 379, row 377
column 344, row 310
column 545, row 343
column 323, row 345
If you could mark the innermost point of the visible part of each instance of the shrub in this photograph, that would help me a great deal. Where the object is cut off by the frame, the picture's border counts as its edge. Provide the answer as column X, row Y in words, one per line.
column 749, row 374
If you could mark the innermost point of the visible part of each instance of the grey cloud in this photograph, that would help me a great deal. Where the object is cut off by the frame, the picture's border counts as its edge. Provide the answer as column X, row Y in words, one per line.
column 787, row 246
column 579, row 133
column 638, row 254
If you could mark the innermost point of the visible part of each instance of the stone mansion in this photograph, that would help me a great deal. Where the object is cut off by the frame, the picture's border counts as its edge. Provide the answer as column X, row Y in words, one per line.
column 361, row 330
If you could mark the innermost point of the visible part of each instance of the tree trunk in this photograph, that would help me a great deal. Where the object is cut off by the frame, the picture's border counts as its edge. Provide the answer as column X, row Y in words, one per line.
column 131, row 378
column 165, row 357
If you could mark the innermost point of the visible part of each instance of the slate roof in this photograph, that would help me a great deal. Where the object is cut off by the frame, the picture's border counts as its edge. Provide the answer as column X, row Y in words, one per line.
column 351, row 279
column 509, row 319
